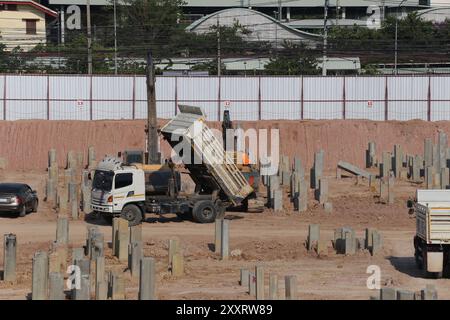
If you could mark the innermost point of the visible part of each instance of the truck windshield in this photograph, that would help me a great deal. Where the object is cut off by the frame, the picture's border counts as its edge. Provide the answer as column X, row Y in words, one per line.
column 103, row 180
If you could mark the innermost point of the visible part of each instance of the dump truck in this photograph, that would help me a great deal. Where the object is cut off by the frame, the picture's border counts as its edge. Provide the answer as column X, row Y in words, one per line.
column 131, row 190
column 432, row 239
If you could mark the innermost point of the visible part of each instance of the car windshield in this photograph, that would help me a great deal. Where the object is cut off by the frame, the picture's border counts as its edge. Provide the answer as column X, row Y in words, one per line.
column 103, row 180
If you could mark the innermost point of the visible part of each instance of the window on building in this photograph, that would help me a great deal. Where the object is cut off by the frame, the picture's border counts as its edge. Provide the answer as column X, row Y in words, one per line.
column 8, row 7
column 30, row 26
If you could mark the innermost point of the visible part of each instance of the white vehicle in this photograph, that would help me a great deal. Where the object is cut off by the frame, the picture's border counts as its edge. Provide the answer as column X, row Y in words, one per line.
column 432, row 240
column 131, row 190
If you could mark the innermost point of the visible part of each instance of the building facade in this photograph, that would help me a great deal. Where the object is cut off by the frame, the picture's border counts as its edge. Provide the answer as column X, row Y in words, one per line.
column 24, row 23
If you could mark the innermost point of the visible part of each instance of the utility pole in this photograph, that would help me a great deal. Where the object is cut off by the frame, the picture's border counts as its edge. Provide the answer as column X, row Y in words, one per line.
column 325, row 38
column 280, row 10
column 89, row 35
column 152, row 131
column 396, row 40
column 219, row 60
column 63, row 25
column 337, row 12
column 115, row 38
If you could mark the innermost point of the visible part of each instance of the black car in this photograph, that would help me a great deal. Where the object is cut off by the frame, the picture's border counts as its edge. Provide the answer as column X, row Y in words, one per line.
column 18, row 198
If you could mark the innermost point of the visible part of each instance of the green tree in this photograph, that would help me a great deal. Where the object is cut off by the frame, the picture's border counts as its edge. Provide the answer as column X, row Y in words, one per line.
column 293, row 59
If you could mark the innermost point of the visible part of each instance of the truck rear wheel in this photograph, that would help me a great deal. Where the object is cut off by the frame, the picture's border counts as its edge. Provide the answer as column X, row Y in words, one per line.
column 204, row 211
column 133, row 214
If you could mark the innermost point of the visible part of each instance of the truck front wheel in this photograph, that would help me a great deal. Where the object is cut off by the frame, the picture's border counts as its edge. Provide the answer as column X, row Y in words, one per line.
column 133, row 214
column 204, row 211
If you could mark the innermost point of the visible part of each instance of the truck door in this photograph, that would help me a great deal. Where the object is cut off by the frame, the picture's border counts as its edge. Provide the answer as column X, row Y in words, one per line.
column 123, row 190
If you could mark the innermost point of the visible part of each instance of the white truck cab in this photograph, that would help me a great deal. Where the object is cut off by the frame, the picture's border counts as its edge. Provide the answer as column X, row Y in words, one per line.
column 116, row 188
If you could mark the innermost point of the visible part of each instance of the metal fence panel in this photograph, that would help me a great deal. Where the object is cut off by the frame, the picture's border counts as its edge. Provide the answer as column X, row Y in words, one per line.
column 165, row 95
column 240, row 95
column 69, row 97
column 323, row 97
column 281, row 98
column 408, row 98
column 365, row 97
column 112, row 98
column 81, row 97
column 2, row 90
column 26, row 97
column 200, row 92
column 440, row 98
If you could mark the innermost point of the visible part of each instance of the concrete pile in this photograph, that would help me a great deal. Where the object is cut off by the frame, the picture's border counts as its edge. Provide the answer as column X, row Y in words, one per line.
column 255, row 282
column 345, row 241
column 76, row 183
column 87, row 274
column 428, row 293
column 430, row 168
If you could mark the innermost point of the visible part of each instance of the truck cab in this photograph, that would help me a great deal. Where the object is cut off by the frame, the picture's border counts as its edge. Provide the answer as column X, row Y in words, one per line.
column 118, row 189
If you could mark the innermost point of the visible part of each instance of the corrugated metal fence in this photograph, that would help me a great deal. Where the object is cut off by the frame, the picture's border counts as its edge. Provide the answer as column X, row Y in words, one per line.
column 59, row 97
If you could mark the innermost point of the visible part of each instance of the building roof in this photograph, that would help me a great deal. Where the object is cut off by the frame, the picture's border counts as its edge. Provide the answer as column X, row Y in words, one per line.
column 334, row 63
column 298, row 3
column 34, row 4
column 262, row 26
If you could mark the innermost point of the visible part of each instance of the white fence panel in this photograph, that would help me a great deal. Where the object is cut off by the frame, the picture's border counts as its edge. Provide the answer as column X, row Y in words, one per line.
column 69, row 97
column 26, row 97
column 112, row 98
column 2, row 90
column 365, row 97
column 440, row 98
column 200, row 92
column 240, row 95
column 165, row 97
column 281, row 98
column 408, row 98
column 323, row 97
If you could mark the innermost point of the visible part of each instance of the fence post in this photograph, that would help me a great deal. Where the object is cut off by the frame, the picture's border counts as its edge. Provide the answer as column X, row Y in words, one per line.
column 386, row 97
column 218, row 100
column 343, row 101
column 48, row 97
column 176, row 95
column 429, row 100
column 90, row 98
column 302, row 101
column 134, row 97
column 4, row 97
column 259, row 99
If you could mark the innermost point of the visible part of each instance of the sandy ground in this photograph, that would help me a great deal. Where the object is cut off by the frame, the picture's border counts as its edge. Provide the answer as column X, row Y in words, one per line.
column 275, row 240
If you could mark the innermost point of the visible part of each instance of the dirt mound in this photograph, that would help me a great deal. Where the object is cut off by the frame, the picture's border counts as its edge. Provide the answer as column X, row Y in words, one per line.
column 25, row 144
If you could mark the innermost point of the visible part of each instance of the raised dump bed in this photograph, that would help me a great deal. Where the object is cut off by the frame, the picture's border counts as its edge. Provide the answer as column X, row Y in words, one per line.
column 216, row 171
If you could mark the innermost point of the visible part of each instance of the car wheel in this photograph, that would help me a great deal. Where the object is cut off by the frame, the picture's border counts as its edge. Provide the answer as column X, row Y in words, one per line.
column 132, row 214
column 35, row 206
column 204, row 212
column 23, row 211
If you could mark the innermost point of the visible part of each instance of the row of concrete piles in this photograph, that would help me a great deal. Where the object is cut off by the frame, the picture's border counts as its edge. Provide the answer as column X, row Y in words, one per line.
column 256, row 284
column 344, row 242
column 428, row 293
column 76, row 185
column 430, row 168
column 293, row 176
column 86, row 276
